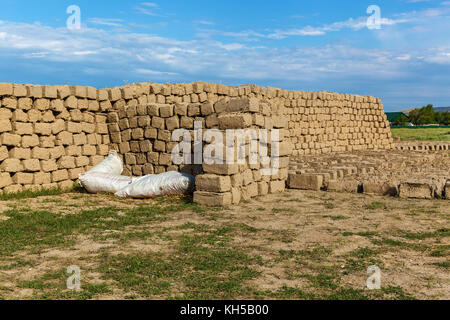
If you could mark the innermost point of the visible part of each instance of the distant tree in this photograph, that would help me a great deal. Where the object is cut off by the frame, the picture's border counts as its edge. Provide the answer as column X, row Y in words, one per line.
column 424, row 115
column 402, row 120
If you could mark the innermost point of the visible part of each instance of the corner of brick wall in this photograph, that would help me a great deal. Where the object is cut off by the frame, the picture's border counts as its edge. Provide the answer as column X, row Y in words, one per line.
column 227, row 184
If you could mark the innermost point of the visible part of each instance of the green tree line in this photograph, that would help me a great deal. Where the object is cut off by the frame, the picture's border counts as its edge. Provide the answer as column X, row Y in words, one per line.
column 423, row 116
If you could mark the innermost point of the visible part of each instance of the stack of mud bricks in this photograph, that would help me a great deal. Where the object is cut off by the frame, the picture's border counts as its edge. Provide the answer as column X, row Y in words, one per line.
column 323, row 122
column 50, row 134
column 235, row 181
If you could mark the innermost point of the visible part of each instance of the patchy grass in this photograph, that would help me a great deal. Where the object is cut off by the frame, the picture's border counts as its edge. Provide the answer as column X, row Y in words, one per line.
column 27, row 194
column 422, row 134
column 170, row 248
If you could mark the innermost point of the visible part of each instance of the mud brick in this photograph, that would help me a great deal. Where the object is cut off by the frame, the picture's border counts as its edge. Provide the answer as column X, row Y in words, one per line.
column 221, row 169
column 23, row 128
column 5, row 179
column 65, row 138
column 23, row 178
column 417, row 188
column 151, row 133
column 65, row 185
column 305, row 181
column 31, row 165
column 10, row 102
column 243, row 105
column 63, row 91
column 279, row 122
column 237, row 180
column 58, row 126
column 105, row 106
column 41, row 104
column 48, row 116
column 82, row 161
column 74, row 173
column 39, row 153
column 194, row 110
column 20, row 90
column 137, row 133
column 88, row 128
column 6, row 114
column 25, row 103
column 159, row 146
column 5, row 126
column 212, row 121
column 350, row 186
column 47, row 141
column 237, row 121
column 57, row 152
column 42, row 129
column 164, row 135
column 40, row 178
column 20, row 153
column 181, row 109
column 50, row 92
column 213, row 183
column 101, row 128
column 91, row 93
column 153, row 157
column 263, row 188
column 89, row 150
column 158, row 123
column 124, row 147
column 6, row 89
column 34, row 116
column 165, row 159
column 102, row 149
column 78, row 91
column 144, row 121
column 135, row 147
column 102, row 94
column 130, row 159
column 48, row 165
column 71, row 102
column 30, row 141
column 380, row 188
column 277, row 186
column 3, row 153
column 250, row 191
column 172, row 123
column 221, row 105
column 187, row 123
column 166, row 111
column 213, row 199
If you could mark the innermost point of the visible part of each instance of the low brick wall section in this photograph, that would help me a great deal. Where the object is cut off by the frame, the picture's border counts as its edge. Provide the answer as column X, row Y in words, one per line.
column 50, row 134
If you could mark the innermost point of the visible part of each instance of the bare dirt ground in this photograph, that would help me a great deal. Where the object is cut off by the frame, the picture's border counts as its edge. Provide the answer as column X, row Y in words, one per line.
column 295, row 245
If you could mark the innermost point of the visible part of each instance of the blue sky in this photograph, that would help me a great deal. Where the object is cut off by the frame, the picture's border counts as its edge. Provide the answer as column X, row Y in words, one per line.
column 298, row 45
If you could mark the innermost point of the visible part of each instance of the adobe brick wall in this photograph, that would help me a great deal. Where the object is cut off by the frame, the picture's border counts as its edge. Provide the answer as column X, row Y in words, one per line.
column 49, row 134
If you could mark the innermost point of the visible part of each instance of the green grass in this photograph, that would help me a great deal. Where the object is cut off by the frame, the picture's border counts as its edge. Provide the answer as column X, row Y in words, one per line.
column 27, row 194
column 432, row 134
column 201, row 265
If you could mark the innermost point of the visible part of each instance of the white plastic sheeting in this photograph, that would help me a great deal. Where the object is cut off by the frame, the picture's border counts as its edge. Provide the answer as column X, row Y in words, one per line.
column 111, row 165
column 102, row 182
column 106, row 177
column 150, row 186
